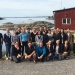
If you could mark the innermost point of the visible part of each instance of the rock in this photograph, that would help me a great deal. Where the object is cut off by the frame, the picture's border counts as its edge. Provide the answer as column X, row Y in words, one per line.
column 36, row 24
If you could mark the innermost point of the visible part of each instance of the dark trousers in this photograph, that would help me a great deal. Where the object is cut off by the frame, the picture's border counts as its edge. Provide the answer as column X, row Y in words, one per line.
column 74, row 48
column 42, row 60
column 15, row 59
column 25, row 44
column 58, row 56
column 0, row 51
column 8, row 47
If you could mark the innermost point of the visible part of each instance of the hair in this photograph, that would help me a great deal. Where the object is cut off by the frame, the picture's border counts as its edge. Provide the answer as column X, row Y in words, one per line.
column 19, row 27
column 49, row 30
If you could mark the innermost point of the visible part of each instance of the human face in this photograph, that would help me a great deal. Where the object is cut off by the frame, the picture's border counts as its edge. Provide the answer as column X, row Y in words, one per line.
column 23, row 30
column 45, row 28
column 7, row 30
column 16, row 44
column 34, row 30
column 49, row 42
column 40, row 44
column 49, row 31
column 14, row 32
column 19, row 29
column 29, row 44
column 57, row 42
column 38, row 32
column 62, row 30
column 66, row 42
column 40, row 28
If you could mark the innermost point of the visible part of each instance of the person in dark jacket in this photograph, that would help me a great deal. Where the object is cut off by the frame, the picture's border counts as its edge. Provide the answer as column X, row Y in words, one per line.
column 63, row 36
column 66, row 50
column 18, row 31
column 40, row 52
column 45, row 38
column 58, row 50
column 7, row 40
column 45, row 29
column 41, row 30
column 30, row 52
column 56, row 36
column 16, row 53
column 1, row 42
column 73, row 40
column 50, row 35
column 50, row 50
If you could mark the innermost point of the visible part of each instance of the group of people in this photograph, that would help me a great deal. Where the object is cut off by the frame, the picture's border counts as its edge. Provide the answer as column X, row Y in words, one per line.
column 37, row 45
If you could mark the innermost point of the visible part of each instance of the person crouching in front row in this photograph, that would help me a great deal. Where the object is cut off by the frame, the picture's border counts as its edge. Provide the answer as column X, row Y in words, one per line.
column 58, row 50
column 30, row 52
column 66, row 50
column 16, row 53
column 40, row 52
column 50, row 50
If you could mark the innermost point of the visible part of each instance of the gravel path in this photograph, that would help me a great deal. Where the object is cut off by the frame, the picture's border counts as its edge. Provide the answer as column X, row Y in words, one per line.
column 64, row 67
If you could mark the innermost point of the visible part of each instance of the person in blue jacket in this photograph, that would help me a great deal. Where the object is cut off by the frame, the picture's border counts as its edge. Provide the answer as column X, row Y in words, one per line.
column 40, row 52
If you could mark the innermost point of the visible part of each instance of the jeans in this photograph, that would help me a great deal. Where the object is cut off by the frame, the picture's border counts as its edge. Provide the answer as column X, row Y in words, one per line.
column 0, row 51
column 8, row 47
column 58, row 56
column 25, row 44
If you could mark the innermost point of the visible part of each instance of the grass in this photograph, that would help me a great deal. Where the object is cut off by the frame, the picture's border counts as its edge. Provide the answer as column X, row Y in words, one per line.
column 3, row 53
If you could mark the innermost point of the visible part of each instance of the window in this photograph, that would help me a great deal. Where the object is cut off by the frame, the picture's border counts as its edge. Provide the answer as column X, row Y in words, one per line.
column 66, row 21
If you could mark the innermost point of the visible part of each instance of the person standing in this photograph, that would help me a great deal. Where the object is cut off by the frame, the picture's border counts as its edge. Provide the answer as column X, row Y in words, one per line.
column 63, row 36
column 24, row 40
column 45, row 29
column 50, row 35
column 1, row 42
column 45, row 38
column 33, row 34
column 7, row 40
column 73, row 40
column 38, row 38
column 29, row 34
column 18, row 31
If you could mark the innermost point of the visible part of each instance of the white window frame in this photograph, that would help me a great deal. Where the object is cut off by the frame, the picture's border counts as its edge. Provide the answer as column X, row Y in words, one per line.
column 66, row 21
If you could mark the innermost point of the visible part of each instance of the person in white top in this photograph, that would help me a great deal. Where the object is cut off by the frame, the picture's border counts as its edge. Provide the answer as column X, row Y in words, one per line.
column 58, row 50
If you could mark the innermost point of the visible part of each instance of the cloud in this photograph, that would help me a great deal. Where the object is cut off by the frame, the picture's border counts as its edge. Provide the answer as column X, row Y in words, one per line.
column 32, row 7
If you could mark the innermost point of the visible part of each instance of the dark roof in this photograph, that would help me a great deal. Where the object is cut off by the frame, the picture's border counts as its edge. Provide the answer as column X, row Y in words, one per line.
column 64, row 9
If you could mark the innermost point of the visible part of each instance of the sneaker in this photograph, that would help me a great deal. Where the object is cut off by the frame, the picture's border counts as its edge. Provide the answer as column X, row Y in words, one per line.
column 10, row 58
column 34, row 61
column 6, row 58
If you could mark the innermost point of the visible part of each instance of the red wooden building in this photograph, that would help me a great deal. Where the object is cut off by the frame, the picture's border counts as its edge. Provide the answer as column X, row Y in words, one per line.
column 65, row 18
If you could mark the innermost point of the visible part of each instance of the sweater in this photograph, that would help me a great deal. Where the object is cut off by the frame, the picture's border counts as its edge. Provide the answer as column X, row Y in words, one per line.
column 40, row 51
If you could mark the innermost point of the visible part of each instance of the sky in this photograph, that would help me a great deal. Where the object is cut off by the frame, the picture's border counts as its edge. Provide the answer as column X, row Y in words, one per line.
column 23, row 8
